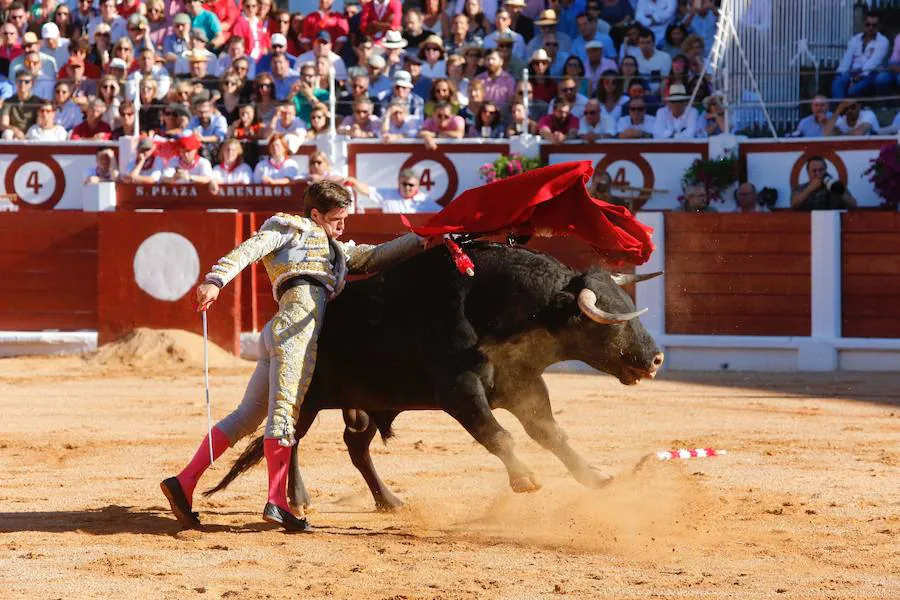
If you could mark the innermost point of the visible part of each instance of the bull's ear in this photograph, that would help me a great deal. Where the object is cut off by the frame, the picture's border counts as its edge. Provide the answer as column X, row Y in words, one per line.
column 623, row 279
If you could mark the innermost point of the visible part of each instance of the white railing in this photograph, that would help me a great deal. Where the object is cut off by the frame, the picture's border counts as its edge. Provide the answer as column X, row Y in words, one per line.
column 779, row 37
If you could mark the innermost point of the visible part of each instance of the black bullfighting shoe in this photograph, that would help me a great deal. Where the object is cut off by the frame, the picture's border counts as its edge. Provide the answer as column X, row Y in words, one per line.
column 171, row 487
column 273, row 513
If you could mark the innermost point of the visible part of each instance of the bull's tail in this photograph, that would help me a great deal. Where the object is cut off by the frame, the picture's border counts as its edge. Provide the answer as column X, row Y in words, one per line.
column 249, row 458
column 383, row 421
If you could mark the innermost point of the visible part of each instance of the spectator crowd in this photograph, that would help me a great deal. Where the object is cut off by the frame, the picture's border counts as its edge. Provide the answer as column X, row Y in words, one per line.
column 249, row 82
column 869, row 67
column 101, row 69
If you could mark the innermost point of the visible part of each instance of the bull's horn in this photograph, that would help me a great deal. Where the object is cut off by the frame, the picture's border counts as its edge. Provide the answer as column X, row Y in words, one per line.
column 629, row 278
column 587, row 302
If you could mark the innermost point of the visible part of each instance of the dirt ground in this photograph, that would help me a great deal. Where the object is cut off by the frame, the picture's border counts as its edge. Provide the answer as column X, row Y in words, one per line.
column 805, row 505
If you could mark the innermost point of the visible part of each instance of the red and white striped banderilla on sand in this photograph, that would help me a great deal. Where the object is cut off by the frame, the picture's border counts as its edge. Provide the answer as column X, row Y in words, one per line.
column 694, row 453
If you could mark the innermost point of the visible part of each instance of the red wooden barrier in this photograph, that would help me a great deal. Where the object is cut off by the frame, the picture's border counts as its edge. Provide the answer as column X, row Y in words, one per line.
column 48, row 262
column 870, row 303
column 149, row 265
column 735, row 274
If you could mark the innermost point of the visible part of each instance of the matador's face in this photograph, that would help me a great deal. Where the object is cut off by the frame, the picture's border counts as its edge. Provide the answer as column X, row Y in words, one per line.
column 332, row 221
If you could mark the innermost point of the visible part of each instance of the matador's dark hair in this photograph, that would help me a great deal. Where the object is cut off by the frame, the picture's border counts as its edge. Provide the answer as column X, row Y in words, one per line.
column 324, row 196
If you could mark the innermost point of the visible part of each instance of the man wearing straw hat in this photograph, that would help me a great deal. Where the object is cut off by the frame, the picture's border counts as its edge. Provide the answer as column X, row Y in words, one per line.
column 547, row 26
column 676, row 120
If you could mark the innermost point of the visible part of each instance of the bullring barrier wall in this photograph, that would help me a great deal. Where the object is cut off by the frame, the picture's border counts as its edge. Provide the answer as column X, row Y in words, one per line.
column 779, row 291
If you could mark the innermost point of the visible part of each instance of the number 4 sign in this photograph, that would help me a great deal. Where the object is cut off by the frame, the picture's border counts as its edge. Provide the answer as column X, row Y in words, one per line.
column 36, row 183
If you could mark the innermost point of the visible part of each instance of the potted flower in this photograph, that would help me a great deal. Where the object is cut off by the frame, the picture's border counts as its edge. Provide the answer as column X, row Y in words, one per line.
column 884, row 173
column 507, row 166
column 716, row 174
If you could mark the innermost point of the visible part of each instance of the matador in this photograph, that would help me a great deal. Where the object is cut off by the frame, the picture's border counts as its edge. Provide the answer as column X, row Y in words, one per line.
column 307, row 266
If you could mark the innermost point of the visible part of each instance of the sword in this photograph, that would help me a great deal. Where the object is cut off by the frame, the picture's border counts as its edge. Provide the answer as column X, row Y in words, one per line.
column 206, row 383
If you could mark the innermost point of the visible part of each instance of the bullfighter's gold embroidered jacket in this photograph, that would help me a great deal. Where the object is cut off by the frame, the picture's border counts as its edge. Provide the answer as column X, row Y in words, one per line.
column 290, row 245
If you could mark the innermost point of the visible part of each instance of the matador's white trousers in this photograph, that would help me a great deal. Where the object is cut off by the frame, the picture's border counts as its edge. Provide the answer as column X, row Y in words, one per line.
column 287, row 359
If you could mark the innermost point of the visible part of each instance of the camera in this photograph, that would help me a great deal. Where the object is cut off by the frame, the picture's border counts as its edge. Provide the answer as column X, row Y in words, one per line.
column 834, row 186
column 767, row 197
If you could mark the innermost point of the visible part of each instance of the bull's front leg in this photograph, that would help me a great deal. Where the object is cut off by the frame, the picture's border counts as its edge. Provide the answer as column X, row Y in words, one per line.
column 527, row 398
column 462, row 397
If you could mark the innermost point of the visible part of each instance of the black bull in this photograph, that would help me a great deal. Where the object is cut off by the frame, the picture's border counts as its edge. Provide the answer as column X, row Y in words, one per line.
column 420, row 336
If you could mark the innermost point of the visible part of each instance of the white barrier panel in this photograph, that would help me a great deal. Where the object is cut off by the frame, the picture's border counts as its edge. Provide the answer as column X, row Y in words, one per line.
column 781, row 164
column 638, row 164
column 444, row 173
column 48, row 176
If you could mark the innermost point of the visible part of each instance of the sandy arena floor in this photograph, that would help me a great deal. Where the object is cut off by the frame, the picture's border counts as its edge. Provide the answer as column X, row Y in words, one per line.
column 807, row 505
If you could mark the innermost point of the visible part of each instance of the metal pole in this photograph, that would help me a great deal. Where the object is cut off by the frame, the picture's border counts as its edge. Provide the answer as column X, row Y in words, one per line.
column 525, row 101
column 332, row 104
column 332, row 130
column 137, row 104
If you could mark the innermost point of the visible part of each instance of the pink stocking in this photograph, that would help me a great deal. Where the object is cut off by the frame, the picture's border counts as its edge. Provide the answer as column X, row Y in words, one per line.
column 278, row 460
column 189, row 477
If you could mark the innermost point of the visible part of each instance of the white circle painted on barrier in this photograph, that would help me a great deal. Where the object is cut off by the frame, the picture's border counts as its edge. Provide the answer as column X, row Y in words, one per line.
column 166, row 266
column 34, row 182
column 433, row 178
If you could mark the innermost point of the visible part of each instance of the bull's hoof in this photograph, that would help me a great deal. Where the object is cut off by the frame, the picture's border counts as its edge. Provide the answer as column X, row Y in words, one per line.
column 594, row 479
column 524, row 484
column 388, row 503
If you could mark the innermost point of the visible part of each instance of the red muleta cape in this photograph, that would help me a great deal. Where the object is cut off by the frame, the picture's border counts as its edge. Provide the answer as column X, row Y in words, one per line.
column 551, row 198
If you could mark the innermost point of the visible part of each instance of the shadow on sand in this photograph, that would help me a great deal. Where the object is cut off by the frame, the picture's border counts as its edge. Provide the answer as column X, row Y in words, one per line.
column 113, row 519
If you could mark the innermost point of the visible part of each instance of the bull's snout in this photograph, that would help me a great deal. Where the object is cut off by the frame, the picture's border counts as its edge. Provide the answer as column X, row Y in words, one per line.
column 656, row 363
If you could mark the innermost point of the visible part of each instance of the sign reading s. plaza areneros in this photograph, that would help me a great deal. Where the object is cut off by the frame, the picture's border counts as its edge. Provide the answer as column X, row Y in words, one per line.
column 228, row 191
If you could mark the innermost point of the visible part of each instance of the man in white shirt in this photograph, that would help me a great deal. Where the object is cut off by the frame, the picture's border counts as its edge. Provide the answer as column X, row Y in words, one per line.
column 144, row 167
column 46, row 129
column 504, row 27
column 398, row 124
column 595, row 125
column 53, row 45
column 637, row 123
column 148, row 68
column 653, row 64
column 855, row 120
column 655, row 15
column 322, row 47
column 406, row 198
column 865, row 53
column 676, row 120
